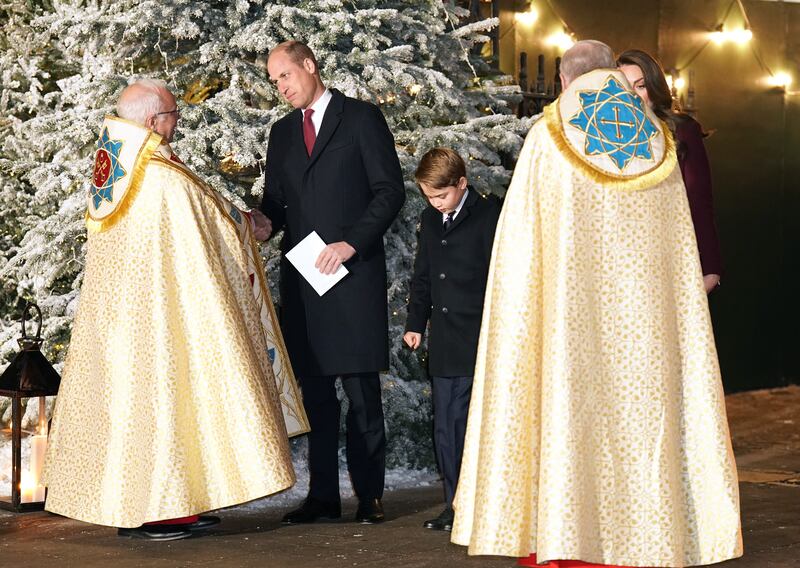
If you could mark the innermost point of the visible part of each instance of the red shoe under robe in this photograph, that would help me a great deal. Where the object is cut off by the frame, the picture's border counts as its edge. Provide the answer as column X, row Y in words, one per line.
column 531, row 561
column 179, row 521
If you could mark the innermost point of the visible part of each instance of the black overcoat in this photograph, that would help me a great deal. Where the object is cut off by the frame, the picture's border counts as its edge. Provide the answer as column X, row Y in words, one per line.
column 449, row 283
column 350, row 189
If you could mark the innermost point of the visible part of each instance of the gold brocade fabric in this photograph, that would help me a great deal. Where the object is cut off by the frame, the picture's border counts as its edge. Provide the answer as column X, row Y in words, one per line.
column 168, row 404
column 294, row 414
column 597, row 427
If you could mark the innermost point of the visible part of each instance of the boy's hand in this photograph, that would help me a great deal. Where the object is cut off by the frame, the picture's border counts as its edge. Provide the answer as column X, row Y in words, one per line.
column 412, row 339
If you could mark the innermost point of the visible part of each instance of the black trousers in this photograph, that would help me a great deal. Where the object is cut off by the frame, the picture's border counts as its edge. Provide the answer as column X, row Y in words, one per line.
column 366, row 437
column 451, row 397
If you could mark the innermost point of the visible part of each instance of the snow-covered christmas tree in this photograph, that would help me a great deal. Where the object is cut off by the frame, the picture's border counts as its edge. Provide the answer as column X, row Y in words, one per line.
column 63, row 64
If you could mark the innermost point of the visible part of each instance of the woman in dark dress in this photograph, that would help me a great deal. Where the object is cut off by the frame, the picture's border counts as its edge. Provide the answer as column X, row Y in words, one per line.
column 648, row 81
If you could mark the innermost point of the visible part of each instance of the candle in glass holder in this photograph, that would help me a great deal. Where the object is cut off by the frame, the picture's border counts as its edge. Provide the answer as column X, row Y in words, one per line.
column 27, row 489
column 38, row 450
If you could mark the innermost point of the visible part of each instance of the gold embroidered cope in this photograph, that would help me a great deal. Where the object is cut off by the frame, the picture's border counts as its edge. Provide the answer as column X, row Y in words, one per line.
column 169, row 404
column 597, row 427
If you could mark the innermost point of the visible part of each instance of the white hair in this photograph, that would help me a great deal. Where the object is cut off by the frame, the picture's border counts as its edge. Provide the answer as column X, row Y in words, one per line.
column 586, row 55
column 137, row 109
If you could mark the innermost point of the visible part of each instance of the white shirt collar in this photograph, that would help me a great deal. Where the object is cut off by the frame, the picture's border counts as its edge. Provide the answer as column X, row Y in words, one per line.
column 319, row 106
column 458, row 207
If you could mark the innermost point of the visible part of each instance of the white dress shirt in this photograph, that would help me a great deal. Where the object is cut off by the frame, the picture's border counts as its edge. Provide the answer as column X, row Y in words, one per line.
column 319, row 107
column 458, row 207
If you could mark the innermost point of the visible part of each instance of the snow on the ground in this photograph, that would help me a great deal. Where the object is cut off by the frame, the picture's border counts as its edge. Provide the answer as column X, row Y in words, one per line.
column 396, row 478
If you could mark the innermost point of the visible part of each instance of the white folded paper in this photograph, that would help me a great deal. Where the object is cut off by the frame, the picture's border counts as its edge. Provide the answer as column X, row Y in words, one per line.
column 304, row 255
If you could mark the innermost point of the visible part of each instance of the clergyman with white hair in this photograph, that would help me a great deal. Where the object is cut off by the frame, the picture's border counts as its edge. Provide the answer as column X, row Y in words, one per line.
column 597, row 433
column 177, row 397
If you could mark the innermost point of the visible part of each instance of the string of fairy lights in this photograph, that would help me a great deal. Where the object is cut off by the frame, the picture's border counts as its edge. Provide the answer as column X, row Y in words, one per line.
column 723, row 33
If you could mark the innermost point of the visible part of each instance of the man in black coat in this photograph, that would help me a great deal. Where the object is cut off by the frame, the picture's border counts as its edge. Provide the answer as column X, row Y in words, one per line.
column 453, row 254
column 332, row 168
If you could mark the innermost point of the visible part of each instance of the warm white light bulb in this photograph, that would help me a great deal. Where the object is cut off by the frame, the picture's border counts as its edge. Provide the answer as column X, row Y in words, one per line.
column 780, row 79
column 680, row 83
column 722, row 35
column 527, row 18
column 562, row 40
column 741, row 36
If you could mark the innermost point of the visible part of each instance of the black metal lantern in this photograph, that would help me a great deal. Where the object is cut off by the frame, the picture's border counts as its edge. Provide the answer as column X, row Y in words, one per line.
column 28, row 375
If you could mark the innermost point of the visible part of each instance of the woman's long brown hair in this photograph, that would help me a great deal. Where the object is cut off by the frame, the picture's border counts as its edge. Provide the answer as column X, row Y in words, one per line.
column 656, row 84
column 658, row 91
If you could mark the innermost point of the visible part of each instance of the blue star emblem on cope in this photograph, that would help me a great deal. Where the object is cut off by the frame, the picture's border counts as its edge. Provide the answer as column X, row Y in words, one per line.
column 236, row 215
column 107, row 169
column 615, row 124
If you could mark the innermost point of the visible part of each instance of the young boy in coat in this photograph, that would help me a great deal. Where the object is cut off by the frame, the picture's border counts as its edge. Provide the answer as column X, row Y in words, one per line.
column 452, row 262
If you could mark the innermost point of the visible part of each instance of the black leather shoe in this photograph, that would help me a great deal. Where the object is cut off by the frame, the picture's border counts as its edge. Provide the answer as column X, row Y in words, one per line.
column 311, row 510
column 444, row 522
column 204, row 522
column 369, row 512
column 157, row 532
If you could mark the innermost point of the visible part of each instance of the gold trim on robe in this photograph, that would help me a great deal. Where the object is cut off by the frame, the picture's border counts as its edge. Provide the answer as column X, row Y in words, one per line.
column 126, row 188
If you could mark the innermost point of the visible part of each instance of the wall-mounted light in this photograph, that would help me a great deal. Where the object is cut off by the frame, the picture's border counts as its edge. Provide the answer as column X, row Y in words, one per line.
column 563, row 40
column 528, row 17
column 740, row 36
column 675, row 82
column 781, row 80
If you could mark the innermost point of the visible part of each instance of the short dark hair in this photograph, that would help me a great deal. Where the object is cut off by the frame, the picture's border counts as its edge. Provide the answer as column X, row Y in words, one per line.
column 440, row 167
column 297, row 52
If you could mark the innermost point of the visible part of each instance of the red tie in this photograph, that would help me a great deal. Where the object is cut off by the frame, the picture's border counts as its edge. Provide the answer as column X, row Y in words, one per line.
column 309, row 134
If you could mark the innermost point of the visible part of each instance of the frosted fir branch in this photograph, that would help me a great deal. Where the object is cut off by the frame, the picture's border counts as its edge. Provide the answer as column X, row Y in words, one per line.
column 455, row 12
column 474, row 32
column 400, row 53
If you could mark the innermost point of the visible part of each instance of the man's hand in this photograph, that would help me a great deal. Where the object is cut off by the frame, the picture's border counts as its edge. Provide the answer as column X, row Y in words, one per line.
column 710, row 281
column 412, row 339
column 333, row 255
column 262, row 226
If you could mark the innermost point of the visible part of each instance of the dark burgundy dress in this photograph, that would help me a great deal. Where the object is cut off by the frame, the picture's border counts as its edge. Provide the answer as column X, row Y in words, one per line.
column 693, row 161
